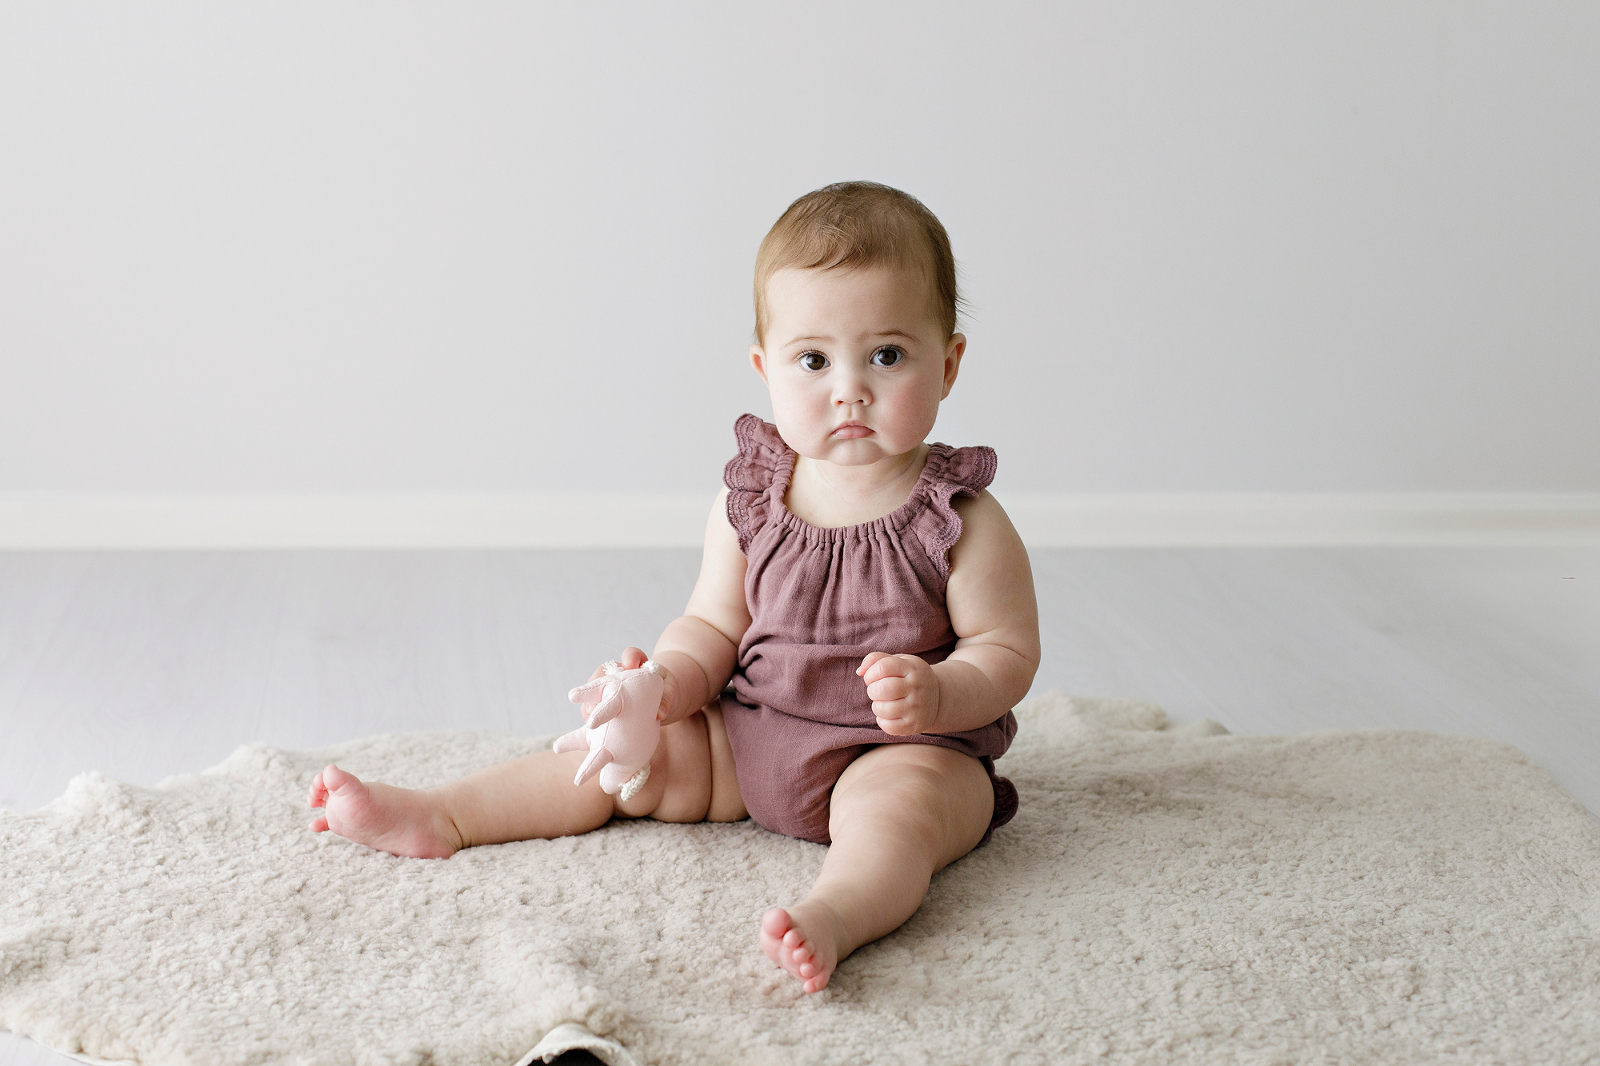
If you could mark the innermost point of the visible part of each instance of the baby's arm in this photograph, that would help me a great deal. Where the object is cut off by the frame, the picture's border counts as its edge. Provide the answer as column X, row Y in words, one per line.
column 996, row 620
column 700, row 649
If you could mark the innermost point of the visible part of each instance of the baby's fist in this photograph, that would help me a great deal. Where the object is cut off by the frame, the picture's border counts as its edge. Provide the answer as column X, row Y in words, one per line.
column 632, row 659
column 904, row 692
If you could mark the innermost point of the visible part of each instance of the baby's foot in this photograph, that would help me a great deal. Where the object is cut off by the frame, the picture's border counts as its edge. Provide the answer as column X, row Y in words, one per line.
column 803, row 941
column 400, row 821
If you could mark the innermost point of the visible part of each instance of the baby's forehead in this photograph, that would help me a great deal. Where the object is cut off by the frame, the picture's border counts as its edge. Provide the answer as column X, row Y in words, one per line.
column 810, row 291
column 822, row 307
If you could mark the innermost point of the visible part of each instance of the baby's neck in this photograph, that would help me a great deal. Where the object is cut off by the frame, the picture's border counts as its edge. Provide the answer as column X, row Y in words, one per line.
column 828, row 495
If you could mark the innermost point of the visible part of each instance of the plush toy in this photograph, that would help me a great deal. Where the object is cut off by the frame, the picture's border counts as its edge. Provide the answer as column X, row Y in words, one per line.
column 622, row 730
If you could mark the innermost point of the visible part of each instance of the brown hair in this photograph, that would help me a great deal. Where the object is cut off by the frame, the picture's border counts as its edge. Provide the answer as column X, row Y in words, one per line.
column 858, row 224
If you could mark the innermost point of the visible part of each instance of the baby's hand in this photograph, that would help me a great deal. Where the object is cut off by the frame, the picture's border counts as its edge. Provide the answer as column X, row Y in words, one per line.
column 632, row 659
column 904, row 691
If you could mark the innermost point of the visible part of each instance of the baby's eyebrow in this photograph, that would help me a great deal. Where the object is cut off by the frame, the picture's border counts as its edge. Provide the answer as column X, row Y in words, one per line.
column 902, row 334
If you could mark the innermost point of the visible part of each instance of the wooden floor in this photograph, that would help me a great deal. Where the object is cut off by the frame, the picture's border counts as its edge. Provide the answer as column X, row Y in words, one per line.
column 142, row 665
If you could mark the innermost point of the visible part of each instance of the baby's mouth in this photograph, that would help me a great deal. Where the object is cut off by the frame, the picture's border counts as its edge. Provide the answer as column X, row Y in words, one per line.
column 851, row 430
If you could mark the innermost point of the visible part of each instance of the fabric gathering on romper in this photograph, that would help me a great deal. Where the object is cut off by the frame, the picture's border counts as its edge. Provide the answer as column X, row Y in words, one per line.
column 822, row 599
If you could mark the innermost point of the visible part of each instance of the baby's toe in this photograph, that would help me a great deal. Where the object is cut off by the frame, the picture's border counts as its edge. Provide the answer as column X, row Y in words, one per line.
column 775, row 923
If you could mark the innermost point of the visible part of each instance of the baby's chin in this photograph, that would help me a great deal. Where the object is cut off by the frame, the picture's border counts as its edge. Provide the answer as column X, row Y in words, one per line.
column 846, row 451
column 857, row 451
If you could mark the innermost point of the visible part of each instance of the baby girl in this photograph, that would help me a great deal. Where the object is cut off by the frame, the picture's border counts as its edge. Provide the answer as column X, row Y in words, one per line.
column 868, row 600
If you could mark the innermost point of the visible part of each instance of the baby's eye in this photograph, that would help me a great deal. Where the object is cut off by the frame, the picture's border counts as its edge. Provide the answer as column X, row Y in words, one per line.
column 813, row 360
column 887, row 356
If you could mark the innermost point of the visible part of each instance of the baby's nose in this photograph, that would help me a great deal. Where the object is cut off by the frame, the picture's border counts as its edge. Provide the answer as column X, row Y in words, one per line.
column 850, row 392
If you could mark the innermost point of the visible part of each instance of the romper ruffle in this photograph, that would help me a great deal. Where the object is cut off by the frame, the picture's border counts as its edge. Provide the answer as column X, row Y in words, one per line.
column 820, row 599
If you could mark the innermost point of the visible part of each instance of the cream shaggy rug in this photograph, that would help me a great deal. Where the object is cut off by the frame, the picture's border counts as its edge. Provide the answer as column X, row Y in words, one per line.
column 1164, row 895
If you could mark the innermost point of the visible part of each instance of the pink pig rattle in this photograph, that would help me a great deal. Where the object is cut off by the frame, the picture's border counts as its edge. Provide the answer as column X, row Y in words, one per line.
column 622, row 730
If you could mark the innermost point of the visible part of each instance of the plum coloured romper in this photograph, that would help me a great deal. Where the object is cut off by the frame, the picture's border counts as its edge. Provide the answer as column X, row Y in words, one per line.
column 820, row 600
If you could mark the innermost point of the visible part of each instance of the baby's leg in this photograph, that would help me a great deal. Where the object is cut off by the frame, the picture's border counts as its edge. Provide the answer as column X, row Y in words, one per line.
column 532, row 797
column 898, row 814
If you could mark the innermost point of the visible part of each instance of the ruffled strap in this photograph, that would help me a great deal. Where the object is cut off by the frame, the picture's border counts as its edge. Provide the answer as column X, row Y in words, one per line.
column 763, row 460
column 950, row 472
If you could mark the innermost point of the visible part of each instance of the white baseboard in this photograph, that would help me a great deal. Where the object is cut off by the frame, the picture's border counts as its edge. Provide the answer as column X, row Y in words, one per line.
column 1306, row 519
column 530, row 520
column 618, row 520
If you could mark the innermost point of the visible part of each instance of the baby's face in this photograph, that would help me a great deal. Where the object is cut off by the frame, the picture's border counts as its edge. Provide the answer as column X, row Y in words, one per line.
column 856, row 362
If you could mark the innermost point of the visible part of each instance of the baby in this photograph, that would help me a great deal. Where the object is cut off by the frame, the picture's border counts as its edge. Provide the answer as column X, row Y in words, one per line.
column 870, row 603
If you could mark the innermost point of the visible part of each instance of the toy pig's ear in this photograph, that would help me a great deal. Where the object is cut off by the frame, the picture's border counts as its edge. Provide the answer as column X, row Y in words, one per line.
column 607, row 709
column 589, row 691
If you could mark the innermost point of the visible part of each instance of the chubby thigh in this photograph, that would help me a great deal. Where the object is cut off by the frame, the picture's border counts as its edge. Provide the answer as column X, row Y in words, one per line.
column 691, row 774
column 935, row 799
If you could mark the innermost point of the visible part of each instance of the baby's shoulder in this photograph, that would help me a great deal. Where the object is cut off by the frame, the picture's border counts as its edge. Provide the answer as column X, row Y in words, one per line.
column 988, row 537
column 982, row 518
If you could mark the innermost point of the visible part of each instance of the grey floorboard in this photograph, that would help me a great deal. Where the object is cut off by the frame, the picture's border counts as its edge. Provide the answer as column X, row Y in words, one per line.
column 143, row 665
column 20, row 1051
column 1495, row 643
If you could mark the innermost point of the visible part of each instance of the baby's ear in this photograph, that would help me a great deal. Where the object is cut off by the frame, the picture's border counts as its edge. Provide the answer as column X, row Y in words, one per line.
column 758, row 359
column 954, row 349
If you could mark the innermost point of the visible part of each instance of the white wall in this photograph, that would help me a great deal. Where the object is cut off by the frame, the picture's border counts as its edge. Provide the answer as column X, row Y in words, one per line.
column 308, row 248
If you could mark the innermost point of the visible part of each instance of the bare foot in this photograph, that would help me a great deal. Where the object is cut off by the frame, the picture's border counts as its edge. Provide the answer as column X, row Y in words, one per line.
column 803, row 941
column 400, row 821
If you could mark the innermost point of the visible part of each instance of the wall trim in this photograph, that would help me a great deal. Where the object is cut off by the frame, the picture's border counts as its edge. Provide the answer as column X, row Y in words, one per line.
column 1306, row 519
column 617, row 520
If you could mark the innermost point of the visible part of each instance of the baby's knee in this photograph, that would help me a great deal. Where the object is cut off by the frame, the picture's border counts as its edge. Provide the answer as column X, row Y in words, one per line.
column 937, row 797
column 910, row 815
